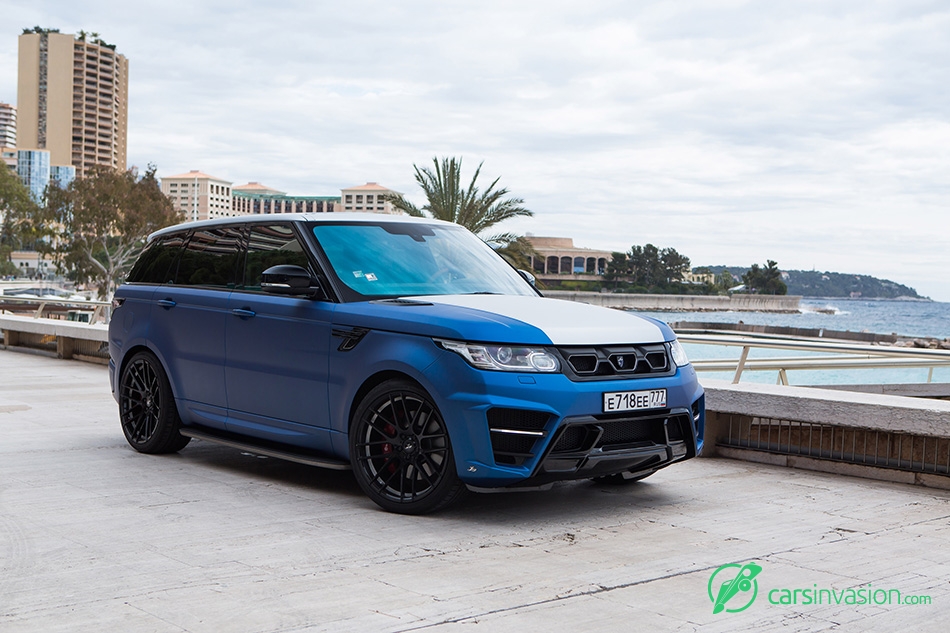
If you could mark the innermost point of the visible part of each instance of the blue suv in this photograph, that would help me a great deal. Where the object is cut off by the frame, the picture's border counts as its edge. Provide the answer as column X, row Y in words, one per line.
column 405, row 349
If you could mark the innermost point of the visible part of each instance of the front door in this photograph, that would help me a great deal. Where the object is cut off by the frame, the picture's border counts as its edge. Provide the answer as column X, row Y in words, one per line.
column 277, row 348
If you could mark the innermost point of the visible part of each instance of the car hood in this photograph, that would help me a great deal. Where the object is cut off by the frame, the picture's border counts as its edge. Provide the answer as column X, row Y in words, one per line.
column 505, row 319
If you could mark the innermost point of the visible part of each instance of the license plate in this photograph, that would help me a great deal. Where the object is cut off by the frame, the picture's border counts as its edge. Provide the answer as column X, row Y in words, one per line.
column 634, row 400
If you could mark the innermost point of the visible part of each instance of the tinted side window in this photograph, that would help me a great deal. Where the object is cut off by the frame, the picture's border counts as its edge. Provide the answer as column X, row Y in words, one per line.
column 270, row 245
column 211, row 258
column 154, row 263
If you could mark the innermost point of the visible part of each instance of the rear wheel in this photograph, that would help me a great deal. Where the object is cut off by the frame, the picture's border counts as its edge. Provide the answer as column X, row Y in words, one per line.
column 147, row 407
column 400, row 450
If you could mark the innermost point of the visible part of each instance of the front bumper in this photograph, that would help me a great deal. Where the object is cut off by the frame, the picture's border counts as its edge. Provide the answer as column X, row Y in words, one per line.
column 527, row 430
column 588, row 446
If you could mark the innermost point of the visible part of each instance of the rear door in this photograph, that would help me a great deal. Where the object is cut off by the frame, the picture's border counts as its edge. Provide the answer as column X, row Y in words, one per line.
column 188, row 318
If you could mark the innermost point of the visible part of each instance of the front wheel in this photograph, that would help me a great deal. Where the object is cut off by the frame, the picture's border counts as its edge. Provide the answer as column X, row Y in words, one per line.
column 147, row 409
column 400, row 450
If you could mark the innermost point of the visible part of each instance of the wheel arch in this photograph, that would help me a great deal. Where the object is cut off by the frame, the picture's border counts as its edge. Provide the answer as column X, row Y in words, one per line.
column 142, row 347
column 371, row 383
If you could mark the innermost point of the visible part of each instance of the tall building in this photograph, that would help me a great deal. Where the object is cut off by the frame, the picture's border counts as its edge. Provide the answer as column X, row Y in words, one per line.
column 8, row 157
column 62, row 175
column 198, row 196
column 7, row 125
column 368, row 198
column 33, row 168
column 72, row 99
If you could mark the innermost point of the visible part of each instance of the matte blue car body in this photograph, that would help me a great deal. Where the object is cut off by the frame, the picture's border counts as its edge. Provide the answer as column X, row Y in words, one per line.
column 313, row 405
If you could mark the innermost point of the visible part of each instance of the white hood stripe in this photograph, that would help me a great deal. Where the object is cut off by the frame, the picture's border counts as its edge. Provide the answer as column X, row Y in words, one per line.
column 564, row 322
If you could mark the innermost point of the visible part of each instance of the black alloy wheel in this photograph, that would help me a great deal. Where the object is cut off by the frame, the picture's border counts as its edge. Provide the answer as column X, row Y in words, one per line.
column 400, row 450
column 147, row 407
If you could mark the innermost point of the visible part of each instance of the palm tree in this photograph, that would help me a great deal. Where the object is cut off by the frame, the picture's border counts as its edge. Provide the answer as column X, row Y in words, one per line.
column 476, row 210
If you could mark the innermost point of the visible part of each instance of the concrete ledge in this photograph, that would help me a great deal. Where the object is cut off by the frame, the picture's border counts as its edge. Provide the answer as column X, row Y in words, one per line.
column 685, row 303
column 897, row 414
column 55, row 327
column 935, row 390
column 71, row 337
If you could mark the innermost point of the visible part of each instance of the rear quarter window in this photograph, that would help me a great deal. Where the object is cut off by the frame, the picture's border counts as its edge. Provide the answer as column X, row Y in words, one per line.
column 157, row 260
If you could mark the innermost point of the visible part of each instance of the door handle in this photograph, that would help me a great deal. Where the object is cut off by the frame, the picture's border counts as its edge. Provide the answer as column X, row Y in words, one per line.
column 167, row 303
column 244, row 313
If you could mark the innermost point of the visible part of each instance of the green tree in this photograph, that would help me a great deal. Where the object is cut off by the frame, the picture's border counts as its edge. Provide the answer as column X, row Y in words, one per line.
column 447, row 198
column 17, row 208
column 99, row 223
column 648, row 267
column 725, row 280
column 767, row 281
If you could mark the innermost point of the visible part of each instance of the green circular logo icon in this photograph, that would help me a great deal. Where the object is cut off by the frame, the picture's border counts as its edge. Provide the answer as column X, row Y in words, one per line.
column 737, row 587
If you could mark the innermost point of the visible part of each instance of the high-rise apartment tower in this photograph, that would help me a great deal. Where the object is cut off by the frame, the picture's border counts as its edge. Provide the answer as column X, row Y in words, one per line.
column 7, row 125
column 72, row 99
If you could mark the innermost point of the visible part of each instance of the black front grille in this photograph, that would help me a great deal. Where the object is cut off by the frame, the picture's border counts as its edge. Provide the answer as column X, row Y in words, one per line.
column 583, row 363
column 616, row 361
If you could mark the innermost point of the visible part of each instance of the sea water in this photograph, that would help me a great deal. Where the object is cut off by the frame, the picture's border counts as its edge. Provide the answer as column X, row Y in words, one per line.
column 905, row 318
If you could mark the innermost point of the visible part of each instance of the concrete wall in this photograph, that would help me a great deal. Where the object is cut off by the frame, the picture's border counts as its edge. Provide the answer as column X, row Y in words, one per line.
column 916, row 431
column 685, row 303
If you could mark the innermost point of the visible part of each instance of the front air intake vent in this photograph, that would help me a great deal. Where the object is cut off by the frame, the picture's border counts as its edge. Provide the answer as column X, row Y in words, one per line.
column 514, row 433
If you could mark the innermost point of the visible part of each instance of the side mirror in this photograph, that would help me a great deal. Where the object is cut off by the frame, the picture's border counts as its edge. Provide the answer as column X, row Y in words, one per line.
column 287, row 279
column 527, row 276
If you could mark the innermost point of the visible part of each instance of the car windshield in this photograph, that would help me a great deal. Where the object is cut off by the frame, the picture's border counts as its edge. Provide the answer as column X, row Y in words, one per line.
column 397, row 259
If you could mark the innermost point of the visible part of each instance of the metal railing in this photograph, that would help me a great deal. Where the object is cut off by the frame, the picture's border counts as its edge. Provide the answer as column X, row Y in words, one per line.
column 826, row 355
column 895, row 450
column 46, row 307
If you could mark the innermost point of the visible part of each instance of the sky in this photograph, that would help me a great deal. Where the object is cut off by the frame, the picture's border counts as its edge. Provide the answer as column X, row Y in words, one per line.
column 815, row 134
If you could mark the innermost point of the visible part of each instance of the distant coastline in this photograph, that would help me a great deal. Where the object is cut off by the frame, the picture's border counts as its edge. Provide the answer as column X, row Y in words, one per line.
column 901, row 298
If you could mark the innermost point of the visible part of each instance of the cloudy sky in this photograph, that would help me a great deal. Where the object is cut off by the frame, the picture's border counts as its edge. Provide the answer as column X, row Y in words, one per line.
column 816, row 134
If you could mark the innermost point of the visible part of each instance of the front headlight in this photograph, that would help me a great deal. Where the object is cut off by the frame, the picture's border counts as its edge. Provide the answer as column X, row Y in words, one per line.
column 504, row 357
column 678, row 354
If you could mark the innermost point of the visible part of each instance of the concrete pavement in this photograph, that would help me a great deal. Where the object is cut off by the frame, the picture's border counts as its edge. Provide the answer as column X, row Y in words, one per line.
column 95, row 537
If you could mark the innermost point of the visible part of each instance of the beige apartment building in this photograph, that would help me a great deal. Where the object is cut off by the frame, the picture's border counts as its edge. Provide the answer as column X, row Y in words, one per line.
column 198, row 196
column 9, row 157
column 368, row 198
column 72, row 99
column 7, row 125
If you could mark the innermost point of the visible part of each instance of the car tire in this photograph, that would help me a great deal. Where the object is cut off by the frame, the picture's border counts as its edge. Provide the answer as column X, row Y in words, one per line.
column 147, row 408
column 400, row 450
column 620, row 479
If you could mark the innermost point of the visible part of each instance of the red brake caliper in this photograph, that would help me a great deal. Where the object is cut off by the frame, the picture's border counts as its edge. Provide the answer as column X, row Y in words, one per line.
column 388, row 448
